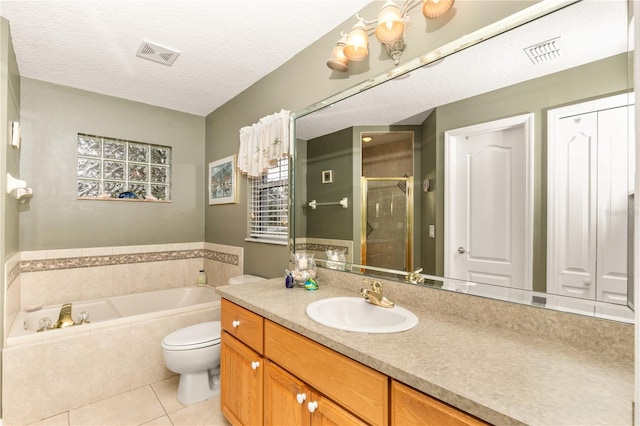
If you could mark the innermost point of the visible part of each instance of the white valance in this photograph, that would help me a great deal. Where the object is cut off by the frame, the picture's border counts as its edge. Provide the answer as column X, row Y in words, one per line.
column 264, row 143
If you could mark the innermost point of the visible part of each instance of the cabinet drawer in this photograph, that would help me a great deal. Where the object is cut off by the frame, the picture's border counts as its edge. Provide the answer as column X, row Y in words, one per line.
column 244, row 325
column 410, row 407
column 358, row 388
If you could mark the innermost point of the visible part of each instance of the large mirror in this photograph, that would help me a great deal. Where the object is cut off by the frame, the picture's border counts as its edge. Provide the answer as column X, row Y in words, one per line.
column 503, row 170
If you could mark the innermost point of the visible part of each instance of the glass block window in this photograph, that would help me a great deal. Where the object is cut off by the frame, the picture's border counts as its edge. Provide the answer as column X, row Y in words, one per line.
column 110, row 168
column 268, row 199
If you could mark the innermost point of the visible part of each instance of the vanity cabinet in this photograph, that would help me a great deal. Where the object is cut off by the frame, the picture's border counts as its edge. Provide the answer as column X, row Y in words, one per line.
column 412, row 407
column 288, row 401
column 242, row 365
column 356, row 387
column 271, row 375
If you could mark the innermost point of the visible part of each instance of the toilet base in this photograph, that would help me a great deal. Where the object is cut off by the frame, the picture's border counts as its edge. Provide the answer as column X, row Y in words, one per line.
column 196, row 387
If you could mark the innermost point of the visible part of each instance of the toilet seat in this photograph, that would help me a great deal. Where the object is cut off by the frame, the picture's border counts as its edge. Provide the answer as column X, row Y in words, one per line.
column 193, row 337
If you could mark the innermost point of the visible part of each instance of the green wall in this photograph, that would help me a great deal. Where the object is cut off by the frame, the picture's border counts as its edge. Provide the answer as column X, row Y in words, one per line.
column 305, row 80
column 9, row 158
column 55, row 219
column 330, row 152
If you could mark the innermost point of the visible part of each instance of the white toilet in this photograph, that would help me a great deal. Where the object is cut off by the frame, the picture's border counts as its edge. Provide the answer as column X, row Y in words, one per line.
column 194, row 353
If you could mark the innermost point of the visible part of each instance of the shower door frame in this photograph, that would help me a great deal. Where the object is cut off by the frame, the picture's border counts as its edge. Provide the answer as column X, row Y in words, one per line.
column 408, row 257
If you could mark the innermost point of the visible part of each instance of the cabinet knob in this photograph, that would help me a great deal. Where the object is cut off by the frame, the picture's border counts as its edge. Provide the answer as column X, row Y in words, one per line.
column 312, row 406
column 301, row 398
column 587, row 282
column 235, row 323
column 255, row 365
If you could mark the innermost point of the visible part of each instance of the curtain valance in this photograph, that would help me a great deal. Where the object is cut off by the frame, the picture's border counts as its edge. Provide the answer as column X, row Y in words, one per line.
column 262, row 144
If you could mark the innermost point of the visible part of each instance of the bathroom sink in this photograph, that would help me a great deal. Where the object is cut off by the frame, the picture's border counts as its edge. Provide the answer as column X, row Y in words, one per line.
column 355, row 314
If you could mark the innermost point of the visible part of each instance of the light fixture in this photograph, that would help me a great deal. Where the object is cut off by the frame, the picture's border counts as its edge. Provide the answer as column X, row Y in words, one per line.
column 338, row 61
column 389, row 29
column 390, row 24
column 433, row 9
column 367, row 139
column 357, row 47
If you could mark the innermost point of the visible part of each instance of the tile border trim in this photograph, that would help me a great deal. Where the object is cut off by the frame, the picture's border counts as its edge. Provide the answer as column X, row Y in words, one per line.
column 39, row 265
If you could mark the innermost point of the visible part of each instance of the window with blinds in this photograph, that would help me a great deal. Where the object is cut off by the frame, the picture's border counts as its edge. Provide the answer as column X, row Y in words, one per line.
column 269, row 204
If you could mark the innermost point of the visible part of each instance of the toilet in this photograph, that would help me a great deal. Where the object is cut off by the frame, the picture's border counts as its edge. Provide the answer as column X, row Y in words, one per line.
column 194, row 353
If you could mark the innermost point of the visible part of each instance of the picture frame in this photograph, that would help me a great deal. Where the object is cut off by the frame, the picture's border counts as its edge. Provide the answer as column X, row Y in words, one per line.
column 223, row 181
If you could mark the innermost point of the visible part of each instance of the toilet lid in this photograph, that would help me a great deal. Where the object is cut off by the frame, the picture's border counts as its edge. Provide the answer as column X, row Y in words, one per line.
column 203, row 334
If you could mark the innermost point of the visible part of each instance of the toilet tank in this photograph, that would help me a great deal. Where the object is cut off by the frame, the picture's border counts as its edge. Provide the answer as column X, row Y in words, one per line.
column 243, row 279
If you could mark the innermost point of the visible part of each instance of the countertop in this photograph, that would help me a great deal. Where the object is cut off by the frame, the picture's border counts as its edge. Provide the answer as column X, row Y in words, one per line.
column 494, row 373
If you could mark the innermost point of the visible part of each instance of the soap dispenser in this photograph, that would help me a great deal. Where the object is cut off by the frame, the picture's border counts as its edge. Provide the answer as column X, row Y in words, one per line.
column 202, row 278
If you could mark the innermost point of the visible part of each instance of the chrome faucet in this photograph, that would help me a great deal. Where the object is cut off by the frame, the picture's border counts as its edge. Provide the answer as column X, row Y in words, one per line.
column 374, row 295
column 64, row 319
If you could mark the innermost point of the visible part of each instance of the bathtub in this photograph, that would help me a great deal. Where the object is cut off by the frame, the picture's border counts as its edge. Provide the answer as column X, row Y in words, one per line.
column 112, row 311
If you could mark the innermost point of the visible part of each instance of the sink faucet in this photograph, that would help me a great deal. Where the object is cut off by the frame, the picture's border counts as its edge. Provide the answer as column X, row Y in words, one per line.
column 416, row 277
column 64, row 319
column 374, row 295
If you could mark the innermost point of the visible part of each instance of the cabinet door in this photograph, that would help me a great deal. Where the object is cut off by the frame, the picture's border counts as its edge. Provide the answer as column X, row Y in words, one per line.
column 411, row 407
column 285, row 398
column 241, row 382
column 327, row 413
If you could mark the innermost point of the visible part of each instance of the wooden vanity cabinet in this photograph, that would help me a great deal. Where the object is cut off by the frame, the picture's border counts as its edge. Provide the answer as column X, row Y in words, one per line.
column 242, row 365
column 270, row 374
column 411, row 407
column 361, row 390
column 287, row 402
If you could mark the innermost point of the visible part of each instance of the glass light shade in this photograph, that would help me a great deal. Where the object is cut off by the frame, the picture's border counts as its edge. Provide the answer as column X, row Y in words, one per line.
column 338, row 61
column 432, row 9
column 357, row 47
column 390, row 24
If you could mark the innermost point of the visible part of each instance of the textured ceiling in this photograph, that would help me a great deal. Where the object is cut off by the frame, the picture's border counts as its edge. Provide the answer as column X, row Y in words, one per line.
column 588, row 31
column 225, row 46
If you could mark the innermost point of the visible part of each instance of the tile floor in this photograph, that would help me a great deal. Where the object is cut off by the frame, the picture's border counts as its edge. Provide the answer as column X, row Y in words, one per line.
column 151, row 405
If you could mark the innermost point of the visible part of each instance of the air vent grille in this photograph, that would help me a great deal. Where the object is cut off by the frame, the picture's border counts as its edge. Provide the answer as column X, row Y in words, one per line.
column 155, row 53
column 545, row 52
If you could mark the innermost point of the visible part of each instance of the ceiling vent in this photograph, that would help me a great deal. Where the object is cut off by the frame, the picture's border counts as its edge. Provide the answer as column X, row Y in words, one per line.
column 156, row 53
column 544, row 52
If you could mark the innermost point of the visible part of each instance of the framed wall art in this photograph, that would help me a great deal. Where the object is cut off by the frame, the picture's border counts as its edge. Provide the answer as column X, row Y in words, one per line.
column 222, row 181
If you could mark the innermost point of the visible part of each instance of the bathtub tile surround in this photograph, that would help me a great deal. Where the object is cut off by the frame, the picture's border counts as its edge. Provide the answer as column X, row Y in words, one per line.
column 87, row 366
column 59, row 374
column 12, row 292
column 59, row 276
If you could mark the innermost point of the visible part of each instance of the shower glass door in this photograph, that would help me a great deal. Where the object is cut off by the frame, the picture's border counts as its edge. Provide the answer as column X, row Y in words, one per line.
column 387, row 211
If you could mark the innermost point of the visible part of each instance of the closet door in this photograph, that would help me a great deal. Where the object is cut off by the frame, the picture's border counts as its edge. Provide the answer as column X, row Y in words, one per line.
column 572, row 244
column 613, row 199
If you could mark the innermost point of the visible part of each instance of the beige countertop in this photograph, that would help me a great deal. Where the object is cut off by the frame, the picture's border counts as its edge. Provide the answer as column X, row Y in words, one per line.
column 494, row 373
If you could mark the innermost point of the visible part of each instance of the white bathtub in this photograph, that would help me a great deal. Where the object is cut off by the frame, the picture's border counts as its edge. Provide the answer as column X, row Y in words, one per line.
column 112, row 311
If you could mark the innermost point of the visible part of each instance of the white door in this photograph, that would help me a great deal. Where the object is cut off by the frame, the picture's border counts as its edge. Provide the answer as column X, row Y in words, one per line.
column 574, row 238
column 488, row 205
column 588, row 186
column 613, row 199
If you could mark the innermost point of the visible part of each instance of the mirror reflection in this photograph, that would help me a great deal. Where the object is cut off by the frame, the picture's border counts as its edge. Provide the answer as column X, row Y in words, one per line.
column 507, row 166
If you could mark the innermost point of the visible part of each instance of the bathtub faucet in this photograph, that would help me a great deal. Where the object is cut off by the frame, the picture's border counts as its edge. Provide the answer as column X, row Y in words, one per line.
column 64, row 319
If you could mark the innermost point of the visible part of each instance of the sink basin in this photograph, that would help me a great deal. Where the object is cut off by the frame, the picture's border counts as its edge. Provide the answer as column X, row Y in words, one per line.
column 355, row 314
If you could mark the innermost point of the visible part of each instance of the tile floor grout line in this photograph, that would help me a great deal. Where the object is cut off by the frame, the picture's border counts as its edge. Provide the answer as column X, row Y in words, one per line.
column 159, row 400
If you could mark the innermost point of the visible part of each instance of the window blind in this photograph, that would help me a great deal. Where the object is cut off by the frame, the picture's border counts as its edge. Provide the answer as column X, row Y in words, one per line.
column 269, row 203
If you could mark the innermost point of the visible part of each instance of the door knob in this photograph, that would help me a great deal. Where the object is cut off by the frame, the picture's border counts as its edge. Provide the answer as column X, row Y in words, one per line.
column 461, row 250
